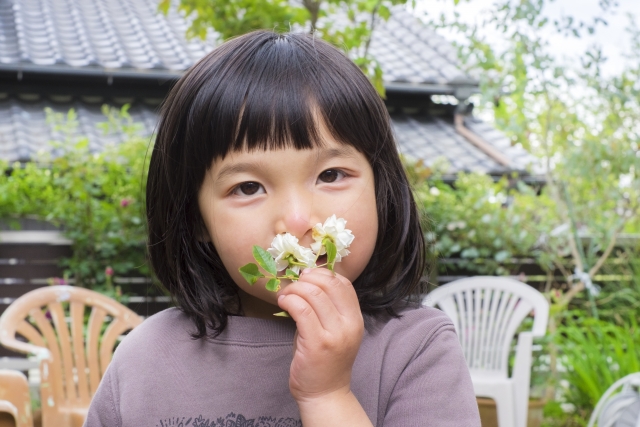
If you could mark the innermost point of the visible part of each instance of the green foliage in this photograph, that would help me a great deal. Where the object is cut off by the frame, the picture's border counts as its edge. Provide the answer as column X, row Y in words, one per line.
column 265, row 260
column 251, row 273
column 622, row 299
column 578, row 122
column 351, row 31
column 96, row 198
column 555, row 416
column 290, row 274
column 484, row 223
column 595, row 354
column 273, row 285
column 332, row 251
column 231, row 18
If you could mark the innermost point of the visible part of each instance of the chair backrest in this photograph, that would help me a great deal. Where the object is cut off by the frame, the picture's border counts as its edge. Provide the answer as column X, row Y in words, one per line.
column 486, row 312
column 621, row 409
column 74, row 332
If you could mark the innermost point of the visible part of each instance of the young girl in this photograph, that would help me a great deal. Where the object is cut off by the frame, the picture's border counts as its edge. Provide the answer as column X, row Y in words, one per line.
column 273, row 134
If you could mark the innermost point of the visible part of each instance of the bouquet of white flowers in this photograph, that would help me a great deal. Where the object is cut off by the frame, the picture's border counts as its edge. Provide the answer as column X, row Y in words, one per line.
column 285, row 253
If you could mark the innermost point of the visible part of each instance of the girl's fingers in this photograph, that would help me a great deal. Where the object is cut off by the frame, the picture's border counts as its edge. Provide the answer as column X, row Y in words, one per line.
column 319, row 301
column 338, row 288
column 307, row 321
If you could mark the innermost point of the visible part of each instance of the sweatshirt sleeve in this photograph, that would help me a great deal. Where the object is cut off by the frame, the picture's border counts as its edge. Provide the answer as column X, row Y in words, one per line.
column 103, row 410
column 435, row 388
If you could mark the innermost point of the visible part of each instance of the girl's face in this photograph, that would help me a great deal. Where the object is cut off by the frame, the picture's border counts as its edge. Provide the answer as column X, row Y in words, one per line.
column 249, row 197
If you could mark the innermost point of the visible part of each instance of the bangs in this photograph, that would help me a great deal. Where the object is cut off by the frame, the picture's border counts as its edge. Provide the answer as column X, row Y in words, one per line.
column 278, row 90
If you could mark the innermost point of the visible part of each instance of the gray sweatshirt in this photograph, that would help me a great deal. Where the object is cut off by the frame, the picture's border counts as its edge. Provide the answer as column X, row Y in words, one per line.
column 409, row 372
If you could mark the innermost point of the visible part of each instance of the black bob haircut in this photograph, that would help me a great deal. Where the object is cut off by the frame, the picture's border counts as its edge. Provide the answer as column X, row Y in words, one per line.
column 263, row 91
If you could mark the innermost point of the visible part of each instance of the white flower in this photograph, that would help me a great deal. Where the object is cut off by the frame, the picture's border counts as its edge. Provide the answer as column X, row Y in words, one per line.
column 289, row 254
column 333, row 229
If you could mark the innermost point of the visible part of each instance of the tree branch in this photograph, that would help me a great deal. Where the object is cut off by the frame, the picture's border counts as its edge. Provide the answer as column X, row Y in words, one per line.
column 314, row 11
column 607, row 251
column 372, row 24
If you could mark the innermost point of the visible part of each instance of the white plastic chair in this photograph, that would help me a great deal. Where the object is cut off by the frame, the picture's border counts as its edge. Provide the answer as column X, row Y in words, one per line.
column 486, row 312
column 621, row 410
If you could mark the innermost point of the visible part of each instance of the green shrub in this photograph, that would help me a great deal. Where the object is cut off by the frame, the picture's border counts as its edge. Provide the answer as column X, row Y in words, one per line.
column 97, row 199
column 485, row 224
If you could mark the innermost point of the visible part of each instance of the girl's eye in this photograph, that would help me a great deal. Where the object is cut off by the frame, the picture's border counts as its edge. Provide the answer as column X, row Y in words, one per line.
column 331, row 175
column 248, row 189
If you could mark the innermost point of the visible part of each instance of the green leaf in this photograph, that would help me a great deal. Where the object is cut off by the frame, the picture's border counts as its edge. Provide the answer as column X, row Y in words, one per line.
column 251, row 273
column 164, row 6
column 502, row 256
column 384, row 12
column 290, row 274
column 332, row 251
column 273, row 285
column 282, row 314
column 265, row 260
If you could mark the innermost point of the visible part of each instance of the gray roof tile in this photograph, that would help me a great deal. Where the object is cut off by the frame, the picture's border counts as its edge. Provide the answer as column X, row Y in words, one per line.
column 24, row 132
column 429, row 138
column 133, row 34
column 407, row 43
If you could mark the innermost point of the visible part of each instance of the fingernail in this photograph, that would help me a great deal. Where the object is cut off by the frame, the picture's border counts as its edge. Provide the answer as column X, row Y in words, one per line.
column 280, row 297
column 306, row 270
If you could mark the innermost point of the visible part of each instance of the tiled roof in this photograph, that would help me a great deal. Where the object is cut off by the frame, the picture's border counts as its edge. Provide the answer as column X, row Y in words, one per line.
column 24, row 131
column 95, row 33
column 430, row 138
column 133, row 35
column 408, row 51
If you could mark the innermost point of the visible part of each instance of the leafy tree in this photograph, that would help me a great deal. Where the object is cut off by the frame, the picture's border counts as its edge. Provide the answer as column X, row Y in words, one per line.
column 578, row 122
column 347, row 24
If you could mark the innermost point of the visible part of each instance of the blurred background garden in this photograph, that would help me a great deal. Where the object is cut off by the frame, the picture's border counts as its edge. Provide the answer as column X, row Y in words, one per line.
column 518, row 122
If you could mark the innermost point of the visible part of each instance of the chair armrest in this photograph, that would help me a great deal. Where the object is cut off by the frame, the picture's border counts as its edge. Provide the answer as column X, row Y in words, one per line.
column 14, row 390
column 24, row 347
column 7, row 407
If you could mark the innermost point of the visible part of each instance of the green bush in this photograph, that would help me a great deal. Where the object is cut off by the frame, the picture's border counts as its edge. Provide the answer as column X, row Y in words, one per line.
column 97, row 199
column 486, row 224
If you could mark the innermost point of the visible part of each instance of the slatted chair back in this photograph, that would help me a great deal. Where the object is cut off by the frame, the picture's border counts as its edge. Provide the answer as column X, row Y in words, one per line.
column 73, row 331
column 486, row 312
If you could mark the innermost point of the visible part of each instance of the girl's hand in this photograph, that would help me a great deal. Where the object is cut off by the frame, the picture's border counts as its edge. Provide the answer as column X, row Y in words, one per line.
column 330, row 328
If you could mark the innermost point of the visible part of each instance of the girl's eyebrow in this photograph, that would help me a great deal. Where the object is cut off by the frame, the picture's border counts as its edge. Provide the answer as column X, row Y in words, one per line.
column 323, row 156
column 236, row 168
column 344, row 151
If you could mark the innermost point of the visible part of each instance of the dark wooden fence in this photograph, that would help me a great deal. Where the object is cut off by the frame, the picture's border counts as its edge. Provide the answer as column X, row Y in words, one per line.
column 30, row 259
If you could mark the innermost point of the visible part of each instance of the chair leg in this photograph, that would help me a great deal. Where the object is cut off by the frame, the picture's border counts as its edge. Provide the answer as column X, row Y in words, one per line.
column 522, row 377
column 505, row 409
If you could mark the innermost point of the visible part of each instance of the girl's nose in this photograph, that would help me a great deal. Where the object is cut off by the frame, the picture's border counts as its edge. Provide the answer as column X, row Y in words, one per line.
column 296, row 223
column 294, row 216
